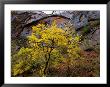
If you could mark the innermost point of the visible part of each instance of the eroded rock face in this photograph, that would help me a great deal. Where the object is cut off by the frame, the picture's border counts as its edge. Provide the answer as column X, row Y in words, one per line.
column 78, row 23
column 20, row 18
column 26, row 32
column 93, row 15
column 80, row 18
column 37, row 15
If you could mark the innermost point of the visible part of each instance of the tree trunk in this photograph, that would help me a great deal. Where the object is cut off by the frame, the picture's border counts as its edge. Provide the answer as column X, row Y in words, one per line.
column 68, row 67
column 46, row 66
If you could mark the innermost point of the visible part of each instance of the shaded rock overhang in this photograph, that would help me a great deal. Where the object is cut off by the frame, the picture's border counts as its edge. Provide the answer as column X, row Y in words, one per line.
column 37, row 21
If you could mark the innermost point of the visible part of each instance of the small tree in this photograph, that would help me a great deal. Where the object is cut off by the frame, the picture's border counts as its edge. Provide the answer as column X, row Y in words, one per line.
column 47, row 45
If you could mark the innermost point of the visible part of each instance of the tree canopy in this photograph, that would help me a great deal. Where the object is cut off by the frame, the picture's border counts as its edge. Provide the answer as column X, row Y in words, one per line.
column 48, row 46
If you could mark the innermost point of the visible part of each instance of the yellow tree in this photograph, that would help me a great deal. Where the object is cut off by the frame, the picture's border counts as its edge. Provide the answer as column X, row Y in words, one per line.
column 48, row 44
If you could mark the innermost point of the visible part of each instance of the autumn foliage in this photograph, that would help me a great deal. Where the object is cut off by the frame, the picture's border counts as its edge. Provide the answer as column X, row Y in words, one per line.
column 52, row 51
